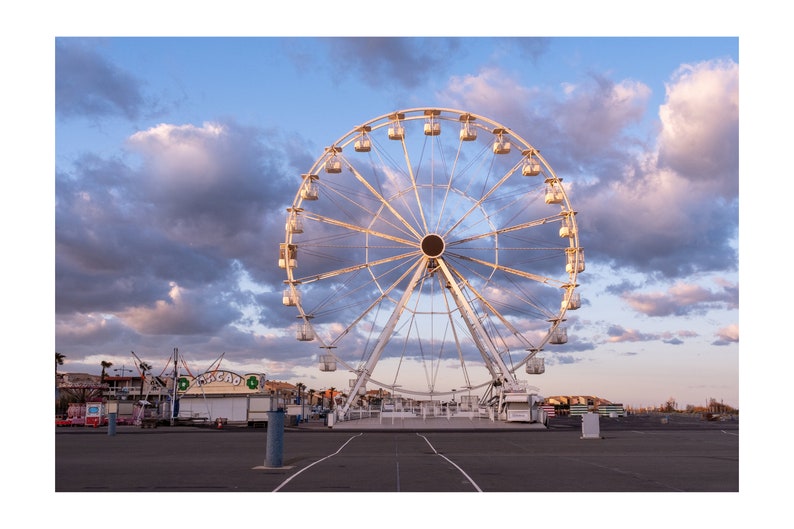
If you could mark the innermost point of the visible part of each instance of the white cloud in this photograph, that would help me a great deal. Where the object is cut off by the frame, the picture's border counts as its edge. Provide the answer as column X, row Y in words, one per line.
column 729, row 333
column 699, row 137
column 180, row 155
column 675, row 212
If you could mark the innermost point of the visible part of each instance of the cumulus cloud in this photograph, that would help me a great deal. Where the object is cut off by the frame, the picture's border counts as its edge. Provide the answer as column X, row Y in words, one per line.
column 681, row 299
column 494, row 91
column 727, row 335
column 595, row 115
column 699, row 139
column 388, row 62
column 86, row 84
column 669, row 211
column 617, row 333
column 184, row 312
column 173, row 244
column 653, row 216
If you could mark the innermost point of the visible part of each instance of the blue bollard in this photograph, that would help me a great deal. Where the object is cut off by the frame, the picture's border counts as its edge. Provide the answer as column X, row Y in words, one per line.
column 274, row 456
column 111, row 424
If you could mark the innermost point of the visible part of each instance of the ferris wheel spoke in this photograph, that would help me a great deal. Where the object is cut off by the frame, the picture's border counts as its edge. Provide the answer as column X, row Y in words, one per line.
column 523, row 301
column 388, row 329
column 347, row 196
column 355, row 228
column 453, row 328
column 489, row 306
column 391, row 170
column 354, row 268
column 507, row 229
column 510, row 200
column 383, row 200
column 486, row 346
column 357, row 295
column 514, row 271
column 412, row 177
column 483, row 198
column 374, row 305
column 452, row 176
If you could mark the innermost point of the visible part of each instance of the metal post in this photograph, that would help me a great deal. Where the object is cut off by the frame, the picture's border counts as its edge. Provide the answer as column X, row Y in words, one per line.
column 112, row 424
column 274, row 455
column 112, row 408
column 300, row 395
column 176, row 385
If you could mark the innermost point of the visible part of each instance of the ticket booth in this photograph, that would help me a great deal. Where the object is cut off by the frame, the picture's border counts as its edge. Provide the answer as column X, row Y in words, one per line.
column 94, row 411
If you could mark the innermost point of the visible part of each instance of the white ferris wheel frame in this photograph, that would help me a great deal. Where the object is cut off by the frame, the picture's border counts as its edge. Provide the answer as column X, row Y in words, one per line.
column 420, row 247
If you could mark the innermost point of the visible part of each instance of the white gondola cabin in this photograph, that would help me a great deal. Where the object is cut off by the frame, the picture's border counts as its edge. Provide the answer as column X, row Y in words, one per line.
column 363, row 143
column 554, row 194
column 432, row 125
column 310, row 190
column 287, row 255
column 396, row 130
column 531, row 166
column 327, row 363
column 294, row 220
column 575, row 260
column 501, row 145
column 572, row 302
column 305, row 332
column 559, row 336
column 567, row 229
column 432, row 128
column 291, row 297
column 333, row 164
column 468, row 132
column 536, row 366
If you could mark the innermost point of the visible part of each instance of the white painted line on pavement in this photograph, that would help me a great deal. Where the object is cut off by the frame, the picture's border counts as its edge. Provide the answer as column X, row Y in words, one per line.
column 318, row 461
column 476, row 487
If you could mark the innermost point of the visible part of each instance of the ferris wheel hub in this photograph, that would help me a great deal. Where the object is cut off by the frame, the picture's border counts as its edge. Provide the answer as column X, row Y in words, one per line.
column 433, row 245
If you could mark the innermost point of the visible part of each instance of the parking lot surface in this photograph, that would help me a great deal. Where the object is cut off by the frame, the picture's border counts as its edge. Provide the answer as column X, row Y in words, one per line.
column 634, row 454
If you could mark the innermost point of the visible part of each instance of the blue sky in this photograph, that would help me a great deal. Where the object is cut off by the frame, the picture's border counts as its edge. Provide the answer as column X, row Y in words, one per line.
column 147, row 259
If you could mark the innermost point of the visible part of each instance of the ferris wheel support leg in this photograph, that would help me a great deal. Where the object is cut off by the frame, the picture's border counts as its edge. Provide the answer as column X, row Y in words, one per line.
column 383, row 339
column 487, row 349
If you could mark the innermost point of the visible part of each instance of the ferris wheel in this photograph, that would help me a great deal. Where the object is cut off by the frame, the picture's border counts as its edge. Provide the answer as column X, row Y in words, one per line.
column 430, row 251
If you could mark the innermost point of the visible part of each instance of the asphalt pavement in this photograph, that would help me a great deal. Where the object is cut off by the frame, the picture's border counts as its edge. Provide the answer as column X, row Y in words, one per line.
column 632, row 454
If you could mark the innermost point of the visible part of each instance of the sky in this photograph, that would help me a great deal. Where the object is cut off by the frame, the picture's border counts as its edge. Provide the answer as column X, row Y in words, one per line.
column 176, row 158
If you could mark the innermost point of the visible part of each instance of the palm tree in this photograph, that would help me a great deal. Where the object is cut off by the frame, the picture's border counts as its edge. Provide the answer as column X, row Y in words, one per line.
column 58, row 360
column 105, row 365
column 331, row 391
column 144, row 368
column 311, row 397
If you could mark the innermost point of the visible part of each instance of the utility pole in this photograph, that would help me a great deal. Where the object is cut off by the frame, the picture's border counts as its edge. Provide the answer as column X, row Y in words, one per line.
column 176, row 384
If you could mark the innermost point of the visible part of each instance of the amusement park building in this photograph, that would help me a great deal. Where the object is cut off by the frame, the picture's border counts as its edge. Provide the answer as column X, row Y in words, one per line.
column 239, row 398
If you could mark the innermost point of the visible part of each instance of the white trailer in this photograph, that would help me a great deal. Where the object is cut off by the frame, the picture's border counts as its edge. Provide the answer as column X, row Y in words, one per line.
column 258, row 406
column 240, row 409
column 523, row 407
column 517, row 408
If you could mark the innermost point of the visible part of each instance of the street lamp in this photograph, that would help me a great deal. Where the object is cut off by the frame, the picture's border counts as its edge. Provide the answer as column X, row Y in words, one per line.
column 116, row 383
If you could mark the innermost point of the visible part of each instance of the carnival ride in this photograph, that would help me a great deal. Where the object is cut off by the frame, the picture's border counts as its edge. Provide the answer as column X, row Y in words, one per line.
column 431, row 251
